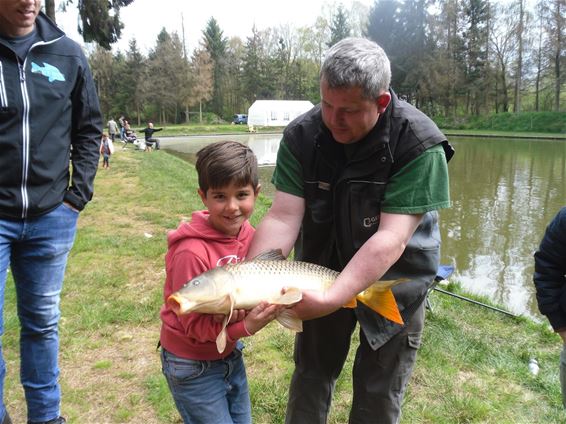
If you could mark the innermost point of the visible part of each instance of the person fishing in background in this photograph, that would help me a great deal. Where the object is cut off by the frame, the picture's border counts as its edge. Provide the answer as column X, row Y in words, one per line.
column 149, row 139
column 359, row 180
column 197, row 373
column 550, row 282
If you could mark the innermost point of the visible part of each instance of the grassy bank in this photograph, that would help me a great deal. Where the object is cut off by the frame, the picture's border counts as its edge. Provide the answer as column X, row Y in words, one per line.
column 472, row 366
column 524, row 122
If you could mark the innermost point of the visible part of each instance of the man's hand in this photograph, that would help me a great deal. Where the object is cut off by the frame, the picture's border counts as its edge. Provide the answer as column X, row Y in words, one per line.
column 315, row 304
column 71, row 207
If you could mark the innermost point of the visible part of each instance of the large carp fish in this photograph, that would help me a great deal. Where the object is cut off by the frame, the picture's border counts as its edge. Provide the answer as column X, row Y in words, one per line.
column 264, row 278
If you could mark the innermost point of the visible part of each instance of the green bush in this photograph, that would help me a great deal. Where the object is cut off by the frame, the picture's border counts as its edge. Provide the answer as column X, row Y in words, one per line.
column 540, row 122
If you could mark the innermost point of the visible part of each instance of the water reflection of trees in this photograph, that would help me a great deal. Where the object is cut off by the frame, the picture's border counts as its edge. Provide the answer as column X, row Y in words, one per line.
column 504, row 194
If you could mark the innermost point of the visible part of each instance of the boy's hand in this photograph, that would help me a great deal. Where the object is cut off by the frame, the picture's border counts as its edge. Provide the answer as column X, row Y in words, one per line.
column 237, row 315
column 261, row 315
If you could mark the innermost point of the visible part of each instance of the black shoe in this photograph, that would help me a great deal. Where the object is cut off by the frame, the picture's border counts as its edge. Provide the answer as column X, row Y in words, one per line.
column 6, row 419
column 59, row 420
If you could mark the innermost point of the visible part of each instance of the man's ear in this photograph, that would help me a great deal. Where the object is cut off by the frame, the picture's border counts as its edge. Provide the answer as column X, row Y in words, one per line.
column 383, row 101
column 258, row 188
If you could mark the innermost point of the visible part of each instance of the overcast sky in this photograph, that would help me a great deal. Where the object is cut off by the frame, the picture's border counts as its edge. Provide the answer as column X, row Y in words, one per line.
column 144, row 19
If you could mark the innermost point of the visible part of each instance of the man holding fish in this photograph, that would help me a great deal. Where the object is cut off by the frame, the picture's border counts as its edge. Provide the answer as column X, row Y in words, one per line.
column 359, row 180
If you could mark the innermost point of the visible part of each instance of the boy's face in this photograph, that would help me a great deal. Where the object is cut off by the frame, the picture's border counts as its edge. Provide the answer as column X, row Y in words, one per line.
column 229, row 206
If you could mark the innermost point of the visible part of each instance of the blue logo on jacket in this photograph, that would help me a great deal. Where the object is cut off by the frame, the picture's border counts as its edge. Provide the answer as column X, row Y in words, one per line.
column 49, row 71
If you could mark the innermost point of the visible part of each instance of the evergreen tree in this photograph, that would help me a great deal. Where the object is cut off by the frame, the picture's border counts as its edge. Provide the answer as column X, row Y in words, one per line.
column 215, row 43
column 339, row 28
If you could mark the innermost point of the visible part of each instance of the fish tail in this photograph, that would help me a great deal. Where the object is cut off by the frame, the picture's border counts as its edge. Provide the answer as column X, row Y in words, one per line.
column 382, row 302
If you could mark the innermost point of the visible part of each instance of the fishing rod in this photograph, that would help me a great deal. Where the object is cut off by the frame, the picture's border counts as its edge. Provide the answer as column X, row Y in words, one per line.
column 475, row 302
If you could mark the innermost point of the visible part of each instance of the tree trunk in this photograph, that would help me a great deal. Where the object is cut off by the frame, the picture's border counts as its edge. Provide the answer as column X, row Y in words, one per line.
column 519, row 70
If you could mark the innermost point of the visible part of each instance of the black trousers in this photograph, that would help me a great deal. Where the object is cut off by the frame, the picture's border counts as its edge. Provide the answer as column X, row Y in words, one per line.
column 379, row 377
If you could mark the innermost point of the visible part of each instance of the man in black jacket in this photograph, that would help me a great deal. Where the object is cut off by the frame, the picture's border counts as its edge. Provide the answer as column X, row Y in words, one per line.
column 550, row 282
column 49, row 113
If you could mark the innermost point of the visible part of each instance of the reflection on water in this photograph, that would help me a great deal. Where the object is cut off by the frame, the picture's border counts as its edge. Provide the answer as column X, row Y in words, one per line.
column 504, row 193
column 264, row 146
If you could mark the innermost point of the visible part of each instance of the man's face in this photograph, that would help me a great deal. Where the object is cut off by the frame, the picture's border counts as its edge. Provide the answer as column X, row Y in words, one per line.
column 17, row 17
column 348, row 115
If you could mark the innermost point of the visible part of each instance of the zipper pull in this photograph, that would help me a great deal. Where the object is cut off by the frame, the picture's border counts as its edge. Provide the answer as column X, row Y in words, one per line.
column 22, row 73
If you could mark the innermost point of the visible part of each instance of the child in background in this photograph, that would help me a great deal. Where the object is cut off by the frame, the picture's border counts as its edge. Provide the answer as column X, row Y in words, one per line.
column 106, row 149
column 211, row 387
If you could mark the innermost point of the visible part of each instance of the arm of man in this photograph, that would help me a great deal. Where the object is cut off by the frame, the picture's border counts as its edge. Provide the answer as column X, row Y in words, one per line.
column 371, row 261
column 85, row 139
column 280, row 226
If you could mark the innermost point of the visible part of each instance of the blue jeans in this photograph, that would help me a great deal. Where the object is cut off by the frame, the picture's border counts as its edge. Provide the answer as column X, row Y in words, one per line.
column 563, row 374
column 209, row 392
column 36, row 250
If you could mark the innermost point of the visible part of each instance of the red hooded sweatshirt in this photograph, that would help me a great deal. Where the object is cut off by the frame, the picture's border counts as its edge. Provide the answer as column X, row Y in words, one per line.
column 194, row 248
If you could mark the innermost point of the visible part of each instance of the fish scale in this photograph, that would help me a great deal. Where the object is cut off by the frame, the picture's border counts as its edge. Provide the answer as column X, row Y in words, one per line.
column 310, row 275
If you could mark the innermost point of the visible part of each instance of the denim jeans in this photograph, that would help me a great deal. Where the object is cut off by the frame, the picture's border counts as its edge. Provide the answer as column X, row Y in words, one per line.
column 563, row 374
column 36, row 250
column 209, row 392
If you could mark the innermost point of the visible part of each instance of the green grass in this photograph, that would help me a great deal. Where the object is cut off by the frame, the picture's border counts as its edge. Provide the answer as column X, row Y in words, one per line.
column 471, row 368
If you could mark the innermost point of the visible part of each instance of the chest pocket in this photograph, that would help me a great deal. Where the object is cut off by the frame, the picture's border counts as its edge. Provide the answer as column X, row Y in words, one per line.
column 364, row 201
column 318, row 195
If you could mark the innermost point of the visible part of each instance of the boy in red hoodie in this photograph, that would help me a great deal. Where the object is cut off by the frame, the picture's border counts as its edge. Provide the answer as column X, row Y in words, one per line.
column 210, row 387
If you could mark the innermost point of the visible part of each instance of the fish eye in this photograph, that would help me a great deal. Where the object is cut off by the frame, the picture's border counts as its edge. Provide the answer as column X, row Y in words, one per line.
column 196, row 282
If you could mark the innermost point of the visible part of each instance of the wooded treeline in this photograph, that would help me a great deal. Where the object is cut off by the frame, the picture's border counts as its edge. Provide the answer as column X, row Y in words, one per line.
column 450, row 58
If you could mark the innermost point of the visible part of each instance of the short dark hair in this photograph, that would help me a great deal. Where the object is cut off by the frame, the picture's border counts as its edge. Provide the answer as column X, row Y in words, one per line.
column 226, row 162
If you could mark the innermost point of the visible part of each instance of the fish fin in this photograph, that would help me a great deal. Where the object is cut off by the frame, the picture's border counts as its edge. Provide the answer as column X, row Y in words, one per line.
column 221, row 339
column 291, row 296
column 288, row 319
column 384, row 285
column 270, row 255
column 222, row 336
column 382, row 302
column 351, row 304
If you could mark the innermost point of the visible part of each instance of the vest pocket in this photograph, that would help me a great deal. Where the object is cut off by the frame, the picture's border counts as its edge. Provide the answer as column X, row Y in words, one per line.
column 318, row 196
column 365, row 207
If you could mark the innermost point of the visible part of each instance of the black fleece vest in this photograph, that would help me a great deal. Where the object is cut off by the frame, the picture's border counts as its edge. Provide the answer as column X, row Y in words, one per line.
column 343, row 195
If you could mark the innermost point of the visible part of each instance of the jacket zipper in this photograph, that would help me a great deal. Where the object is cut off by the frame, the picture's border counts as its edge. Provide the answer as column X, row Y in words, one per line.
column 25, row 126
column 3, row 95
column 25, row 138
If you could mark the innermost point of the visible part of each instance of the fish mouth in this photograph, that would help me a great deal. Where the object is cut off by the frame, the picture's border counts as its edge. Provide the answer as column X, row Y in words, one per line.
column 178, row 304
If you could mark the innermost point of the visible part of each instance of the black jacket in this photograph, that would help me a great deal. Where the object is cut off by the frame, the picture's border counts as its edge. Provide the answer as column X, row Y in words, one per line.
column 550, row 270
column 49, row 113
column 343, row 201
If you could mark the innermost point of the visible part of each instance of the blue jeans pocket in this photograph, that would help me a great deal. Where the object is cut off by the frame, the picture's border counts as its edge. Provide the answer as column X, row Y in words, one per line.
column 180, row 369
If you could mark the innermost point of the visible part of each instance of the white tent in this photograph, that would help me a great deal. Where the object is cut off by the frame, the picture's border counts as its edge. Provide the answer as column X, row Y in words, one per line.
column 276, row 113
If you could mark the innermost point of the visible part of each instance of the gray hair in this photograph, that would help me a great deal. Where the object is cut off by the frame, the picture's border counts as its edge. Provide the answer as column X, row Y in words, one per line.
column 357, row 62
